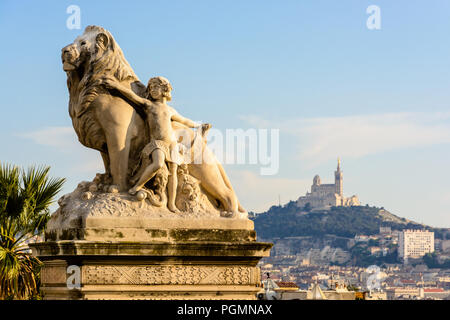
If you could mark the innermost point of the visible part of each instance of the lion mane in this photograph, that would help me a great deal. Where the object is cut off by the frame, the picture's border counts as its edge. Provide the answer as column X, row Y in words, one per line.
column 108, row 63
column 111, row 63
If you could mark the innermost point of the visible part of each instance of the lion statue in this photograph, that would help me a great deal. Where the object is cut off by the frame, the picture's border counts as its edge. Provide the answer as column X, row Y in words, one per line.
column 109, row 123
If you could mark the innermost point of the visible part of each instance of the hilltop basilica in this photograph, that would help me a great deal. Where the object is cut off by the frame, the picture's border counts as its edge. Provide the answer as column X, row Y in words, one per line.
column 324, row 196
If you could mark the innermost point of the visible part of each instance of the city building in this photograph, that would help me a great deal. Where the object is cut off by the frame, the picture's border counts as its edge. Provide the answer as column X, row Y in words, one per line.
column 415, row 244
column 411, row 292
column 323, row 196
column 385, row 230
column 445, row 246
column 315, row 292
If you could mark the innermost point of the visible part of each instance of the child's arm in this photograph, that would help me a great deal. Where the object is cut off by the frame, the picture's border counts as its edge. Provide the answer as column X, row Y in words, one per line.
column 188, row 122
column 126, row 92
column 191, row 124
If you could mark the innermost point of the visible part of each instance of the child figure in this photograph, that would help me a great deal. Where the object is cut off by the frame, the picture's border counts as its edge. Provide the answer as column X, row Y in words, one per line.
column 163, row 146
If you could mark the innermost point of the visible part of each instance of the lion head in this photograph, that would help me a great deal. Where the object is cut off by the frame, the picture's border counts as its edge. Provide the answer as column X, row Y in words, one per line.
column 93, row 55
column 96, row 53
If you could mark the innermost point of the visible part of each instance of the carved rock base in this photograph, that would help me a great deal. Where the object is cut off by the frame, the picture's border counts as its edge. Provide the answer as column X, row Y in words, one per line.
column 150, row 270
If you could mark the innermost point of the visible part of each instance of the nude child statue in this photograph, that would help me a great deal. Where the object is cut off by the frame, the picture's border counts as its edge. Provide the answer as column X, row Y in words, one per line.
column 163, row 147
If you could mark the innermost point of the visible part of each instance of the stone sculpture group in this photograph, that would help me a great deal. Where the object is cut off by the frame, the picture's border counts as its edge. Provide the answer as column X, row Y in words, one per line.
column 150, row 152
column 162, row 221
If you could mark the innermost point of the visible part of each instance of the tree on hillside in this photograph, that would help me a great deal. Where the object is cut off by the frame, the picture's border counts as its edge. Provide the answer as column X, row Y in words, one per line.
column 307, row 207
column 25, row 197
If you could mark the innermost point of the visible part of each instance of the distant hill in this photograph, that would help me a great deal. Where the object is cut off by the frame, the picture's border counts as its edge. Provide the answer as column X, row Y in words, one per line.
column 291, row 221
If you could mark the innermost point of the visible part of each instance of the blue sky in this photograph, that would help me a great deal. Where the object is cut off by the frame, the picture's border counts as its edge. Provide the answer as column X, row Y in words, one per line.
column 379, row 99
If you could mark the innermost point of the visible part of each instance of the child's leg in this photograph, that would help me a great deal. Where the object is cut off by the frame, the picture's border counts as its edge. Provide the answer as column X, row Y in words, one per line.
column 158, row 158
column 172, row 187
column 145, row 163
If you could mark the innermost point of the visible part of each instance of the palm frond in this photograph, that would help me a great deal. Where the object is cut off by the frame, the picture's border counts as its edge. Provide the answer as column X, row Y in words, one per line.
column 10, row 204
column 24, row 200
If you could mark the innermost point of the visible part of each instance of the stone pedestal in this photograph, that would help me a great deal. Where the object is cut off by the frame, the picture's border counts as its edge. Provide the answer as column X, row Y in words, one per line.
column 157, row 258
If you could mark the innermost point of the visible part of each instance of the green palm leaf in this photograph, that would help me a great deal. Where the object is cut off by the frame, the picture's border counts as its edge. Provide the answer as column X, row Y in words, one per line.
column 24, row 200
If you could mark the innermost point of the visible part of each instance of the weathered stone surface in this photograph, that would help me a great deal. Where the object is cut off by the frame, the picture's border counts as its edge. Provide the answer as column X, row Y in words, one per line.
column 132, row 270
column 120, row 216
column 127, row 249
column 100, row 249
column 169, row 275
column 146, row 234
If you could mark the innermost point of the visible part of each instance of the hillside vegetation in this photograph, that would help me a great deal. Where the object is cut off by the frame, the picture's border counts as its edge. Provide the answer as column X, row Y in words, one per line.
column 291, row 221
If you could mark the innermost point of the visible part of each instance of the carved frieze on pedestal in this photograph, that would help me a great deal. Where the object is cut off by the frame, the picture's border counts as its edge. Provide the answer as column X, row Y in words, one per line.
column 124, row 270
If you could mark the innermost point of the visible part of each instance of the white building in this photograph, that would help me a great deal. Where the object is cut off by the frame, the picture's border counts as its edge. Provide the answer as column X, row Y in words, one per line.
column 415, row 244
